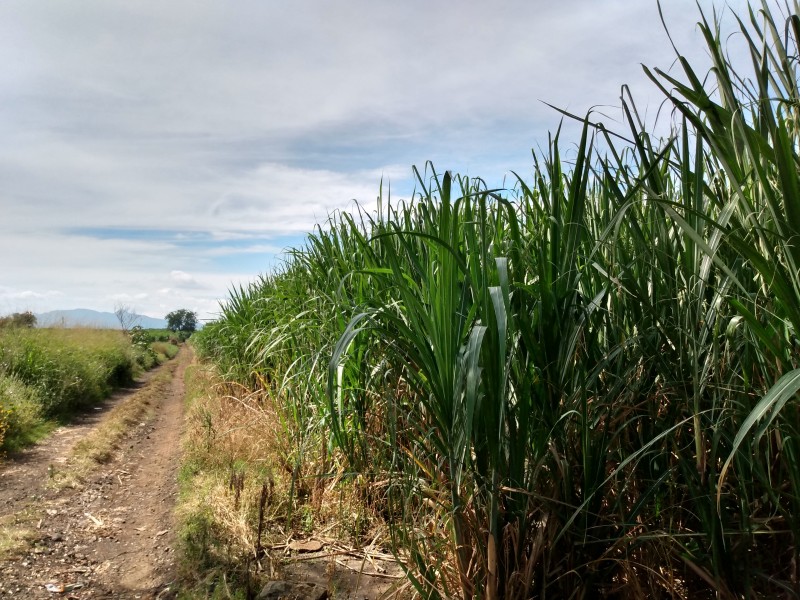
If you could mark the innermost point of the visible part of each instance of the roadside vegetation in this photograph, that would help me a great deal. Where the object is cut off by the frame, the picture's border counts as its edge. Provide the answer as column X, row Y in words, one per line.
column 99, row 446
column 47, row 375
column 182, row 322
column 585, row 386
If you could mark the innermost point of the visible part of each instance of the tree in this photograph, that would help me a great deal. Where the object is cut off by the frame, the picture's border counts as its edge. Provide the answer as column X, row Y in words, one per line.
column 182, row 320
column 126, row 316
column 23, row 319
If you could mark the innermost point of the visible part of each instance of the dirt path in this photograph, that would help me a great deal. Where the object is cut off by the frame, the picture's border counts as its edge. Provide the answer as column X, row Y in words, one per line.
column 113, row 536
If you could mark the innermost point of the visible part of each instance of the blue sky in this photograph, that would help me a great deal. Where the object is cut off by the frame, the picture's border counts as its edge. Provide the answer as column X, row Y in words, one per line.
column 158, row 153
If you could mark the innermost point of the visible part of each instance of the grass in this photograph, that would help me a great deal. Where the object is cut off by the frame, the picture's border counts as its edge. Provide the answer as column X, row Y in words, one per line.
column 164, row 350
column 161, row 335
column 21, row 423
column 47, row 375
column 235, row 475
column 99, row 445
column 584, row 386
column 18, row 532
column 221, row 483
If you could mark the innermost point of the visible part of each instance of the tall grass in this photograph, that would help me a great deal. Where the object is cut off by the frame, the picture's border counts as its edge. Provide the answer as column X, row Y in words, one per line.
column 52, row 373
column 71, row 368
column 584, row 386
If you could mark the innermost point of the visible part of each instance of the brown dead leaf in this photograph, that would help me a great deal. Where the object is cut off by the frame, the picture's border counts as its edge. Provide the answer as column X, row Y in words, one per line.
column 306, row 546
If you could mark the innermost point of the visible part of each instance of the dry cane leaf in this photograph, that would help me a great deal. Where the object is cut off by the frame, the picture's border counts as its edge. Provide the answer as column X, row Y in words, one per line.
column 94, row 519
column 306, row 546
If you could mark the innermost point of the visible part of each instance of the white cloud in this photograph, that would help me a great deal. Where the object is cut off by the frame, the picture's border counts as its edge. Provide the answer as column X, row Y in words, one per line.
column 278, row 199
column 249, row 124
column 182, row 277
column 12, row 294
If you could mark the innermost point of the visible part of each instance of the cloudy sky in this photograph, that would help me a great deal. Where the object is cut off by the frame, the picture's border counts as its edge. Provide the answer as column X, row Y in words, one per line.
column 156, row 153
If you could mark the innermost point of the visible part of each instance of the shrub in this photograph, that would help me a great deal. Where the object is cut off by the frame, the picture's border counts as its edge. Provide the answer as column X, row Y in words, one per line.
column 165, row 350
column 68, row 369
column 20, row 412
column 143, row 353
column 23, row 319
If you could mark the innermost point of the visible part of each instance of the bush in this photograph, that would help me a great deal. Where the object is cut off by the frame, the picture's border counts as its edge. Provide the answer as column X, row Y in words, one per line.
column 143, row 353
column 20, row 412
column 164, row 350
column 159, row 335
column 68, row 369
column 116, row 365
column 23, row 319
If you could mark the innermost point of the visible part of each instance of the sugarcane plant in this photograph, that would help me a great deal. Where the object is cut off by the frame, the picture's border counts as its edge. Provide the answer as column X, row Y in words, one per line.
column 582, row 386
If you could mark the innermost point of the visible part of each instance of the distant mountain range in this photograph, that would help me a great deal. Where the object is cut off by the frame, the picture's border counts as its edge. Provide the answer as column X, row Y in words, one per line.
column 83, row 317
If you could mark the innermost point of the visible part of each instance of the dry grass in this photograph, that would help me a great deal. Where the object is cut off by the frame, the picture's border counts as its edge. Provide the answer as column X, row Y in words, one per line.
column 242, row 501
column 17, row 532
column 99, row 446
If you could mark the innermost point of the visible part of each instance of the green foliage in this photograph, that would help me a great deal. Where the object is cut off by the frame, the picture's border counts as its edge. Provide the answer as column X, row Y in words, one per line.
column 48, row 374
column 141, row 342
column 583, row 386
column 163, row 335
column 182, row 320
column 68, row 369
column 20, row 413
column 164, row 351
column 153, row 347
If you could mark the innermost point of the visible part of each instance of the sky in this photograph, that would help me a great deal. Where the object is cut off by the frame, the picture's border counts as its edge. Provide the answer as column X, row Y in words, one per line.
column 156, row 154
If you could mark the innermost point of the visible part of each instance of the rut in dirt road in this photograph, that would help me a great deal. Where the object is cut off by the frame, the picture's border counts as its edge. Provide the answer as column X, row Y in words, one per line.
column 113, row 536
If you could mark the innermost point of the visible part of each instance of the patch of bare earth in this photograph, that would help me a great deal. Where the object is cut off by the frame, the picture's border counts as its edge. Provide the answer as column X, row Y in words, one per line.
column 111, row 536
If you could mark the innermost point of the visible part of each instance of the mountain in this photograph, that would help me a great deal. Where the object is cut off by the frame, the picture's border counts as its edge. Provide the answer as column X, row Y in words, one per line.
column 83, row 317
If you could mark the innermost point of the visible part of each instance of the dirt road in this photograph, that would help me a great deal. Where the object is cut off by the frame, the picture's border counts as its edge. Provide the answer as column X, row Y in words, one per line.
column 113, row 535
